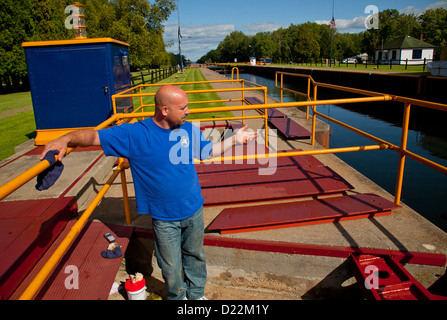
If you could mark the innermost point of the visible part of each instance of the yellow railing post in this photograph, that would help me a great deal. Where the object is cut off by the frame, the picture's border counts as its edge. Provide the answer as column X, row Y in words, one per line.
column 243, row 99
column 125, row 193
column 314, row 116
column 232, row 73
column 266, row 123
column 308, row 97
column 282, row 81
column 114, row 105
column 141, row 101
column 403, row 148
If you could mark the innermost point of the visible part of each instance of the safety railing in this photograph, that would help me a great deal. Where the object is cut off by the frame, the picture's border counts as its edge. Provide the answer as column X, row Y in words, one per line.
column 408, row 102
column 118, row 118
column 243, row 89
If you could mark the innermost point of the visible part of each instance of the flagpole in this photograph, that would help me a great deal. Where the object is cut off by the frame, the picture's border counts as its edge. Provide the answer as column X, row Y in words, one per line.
column 332, row 32
column 179, row 40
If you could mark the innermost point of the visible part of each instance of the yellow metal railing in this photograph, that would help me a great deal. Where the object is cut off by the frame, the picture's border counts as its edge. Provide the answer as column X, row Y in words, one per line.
column 117, row 118
column 402, row 149
column 256, row 87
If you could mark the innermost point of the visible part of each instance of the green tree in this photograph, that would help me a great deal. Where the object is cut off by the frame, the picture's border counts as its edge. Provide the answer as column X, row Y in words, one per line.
column 408, row 24
column 235, row 45
column 302, row 43
column 434, row 27
column 27, row 20
column 137, row 22
column 264, row 44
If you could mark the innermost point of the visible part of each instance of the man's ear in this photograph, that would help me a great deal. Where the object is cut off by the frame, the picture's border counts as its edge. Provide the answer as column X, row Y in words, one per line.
column 164, row 111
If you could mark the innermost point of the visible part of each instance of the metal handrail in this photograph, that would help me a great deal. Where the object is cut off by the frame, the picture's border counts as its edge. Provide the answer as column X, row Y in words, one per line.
column 125, row 94
column 15, row 183
column 402, row 149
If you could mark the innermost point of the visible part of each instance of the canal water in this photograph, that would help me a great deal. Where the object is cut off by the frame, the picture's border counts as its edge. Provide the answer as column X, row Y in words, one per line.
column 424, row 189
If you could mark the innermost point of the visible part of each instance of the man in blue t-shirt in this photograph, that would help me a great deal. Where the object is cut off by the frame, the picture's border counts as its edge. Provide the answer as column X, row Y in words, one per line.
column 161, row 152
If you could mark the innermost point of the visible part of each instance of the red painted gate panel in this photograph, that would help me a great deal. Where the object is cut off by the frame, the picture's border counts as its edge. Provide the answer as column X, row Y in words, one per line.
column 281, row 215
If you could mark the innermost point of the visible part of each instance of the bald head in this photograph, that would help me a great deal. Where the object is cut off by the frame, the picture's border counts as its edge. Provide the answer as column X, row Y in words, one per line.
column 168, row 94
column 171, row 106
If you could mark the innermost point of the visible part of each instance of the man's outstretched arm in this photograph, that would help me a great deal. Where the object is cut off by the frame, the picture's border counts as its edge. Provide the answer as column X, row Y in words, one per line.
column 80, row 138
column 241, row 137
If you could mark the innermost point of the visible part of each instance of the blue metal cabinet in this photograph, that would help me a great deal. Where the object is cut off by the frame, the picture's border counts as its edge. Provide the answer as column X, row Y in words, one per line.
column 72, row 81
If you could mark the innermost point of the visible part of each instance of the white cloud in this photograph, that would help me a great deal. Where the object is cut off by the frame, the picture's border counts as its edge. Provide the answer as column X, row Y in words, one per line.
column 354, row 25
column 417, row 12
column 197, row 40
column 357, row 24
column 252, row 29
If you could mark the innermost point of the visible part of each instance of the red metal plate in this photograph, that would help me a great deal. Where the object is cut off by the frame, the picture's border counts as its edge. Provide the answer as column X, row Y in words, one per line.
column 387, row 279
column 289, row 128
column 282, row 215
column 28, row 237
column 298, row 161
column 288, row 182
column 273, row 113
column 96, row 274
column 253, row 100
column 24, row 208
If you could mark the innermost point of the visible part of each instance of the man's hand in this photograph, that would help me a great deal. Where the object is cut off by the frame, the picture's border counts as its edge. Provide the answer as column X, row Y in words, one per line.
column 242, row 137
column 60, row 144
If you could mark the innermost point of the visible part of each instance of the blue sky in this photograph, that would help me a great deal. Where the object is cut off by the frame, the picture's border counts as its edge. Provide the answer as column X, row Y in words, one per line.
column 205, row 23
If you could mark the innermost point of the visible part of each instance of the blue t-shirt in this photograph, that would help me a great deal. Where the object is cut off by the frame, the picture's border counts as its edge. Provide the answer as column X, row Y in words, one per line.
column 162, row 165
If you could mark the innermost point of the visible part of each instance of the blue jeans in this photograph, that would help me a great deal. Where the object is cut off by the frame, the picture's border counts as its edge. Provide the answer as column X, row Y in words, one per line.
column 180, row 256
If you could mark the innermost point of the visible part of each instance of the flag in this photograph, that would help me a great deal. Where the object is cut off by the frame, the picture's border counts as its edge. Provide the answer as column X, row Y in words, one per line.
column 333, row 23
column 179, row 35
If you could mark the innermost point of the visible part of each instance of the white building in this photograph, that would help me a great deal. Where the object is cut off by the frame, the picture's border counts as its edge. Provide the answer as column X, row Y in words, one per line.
column 401, row 49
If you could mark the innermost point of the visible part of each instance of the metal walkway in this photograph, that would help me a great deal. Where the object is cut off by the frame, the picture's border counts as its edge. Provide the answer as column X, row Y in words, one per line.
column 289, row 128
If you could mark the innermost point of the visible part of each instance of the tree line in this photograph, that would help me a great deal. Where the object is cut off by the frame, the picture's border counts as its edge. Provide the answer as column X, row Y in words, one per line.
column 137, row 22
column 312, row 42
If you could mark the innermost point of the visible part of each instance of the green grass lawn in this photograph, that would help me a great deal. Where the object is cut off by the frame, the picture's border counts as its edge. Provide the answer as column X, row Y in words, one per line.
column 15, row 101
column 16, row 121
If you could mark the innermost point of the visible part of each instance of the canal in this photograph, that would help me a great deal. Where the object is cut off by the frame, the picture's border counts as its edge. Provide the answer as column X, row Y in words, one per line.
column 424, row 189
